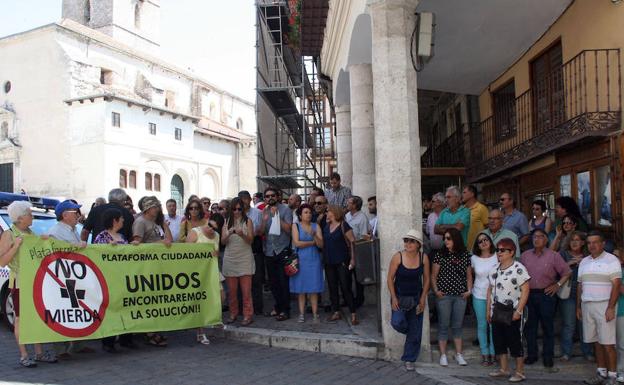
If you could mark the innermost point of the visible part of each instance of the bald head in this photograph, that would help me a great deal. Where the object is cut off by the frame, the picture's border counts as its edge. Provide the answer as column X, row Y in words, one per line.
column 294, row 201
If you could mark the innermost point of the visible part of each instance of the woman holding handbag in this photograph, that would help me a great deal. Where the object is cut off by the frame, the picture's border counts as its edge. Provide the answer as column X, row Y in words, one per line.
column 507, row 296
column 408, row 283
column 307, row 239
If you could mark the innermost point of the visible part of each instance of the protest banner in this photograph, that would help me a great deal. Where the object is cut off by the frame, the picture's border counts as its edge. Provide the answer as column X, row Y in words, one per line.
column 68, row 293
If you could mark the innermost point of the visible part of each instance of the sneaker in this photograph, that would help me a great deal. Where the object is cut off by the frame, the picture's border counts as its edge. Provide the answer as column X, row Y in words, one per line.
column 410, row 366
column 620, row 378
column 316, row 319
column 610, row 381
column 564, row 358
column 46, row 357
column 27, row 362
column 443, row 360
column 517, row 377
column 460, row 359
column 301, row 318
column 595, row 380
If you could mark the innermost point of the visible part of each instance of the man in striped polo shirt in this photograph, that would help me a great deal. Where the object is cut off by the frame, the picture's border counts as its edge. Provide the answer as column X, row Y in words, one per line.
column 599, row 279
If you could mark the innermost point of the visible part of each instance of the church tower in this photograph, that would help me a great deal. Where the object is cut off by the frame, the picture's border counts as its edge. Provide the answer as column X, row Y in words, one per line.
column 133, row 22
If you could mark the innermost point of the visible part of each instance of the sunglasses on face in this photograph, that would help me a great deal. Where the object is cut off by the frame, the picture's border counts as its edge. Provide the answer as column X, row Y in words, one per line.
column 448, row 238
column 482, row 240
column 318, row 203
column 194, row 208
column 502, row 250
column 237, row 209
column 409, row 240
column 270, row 196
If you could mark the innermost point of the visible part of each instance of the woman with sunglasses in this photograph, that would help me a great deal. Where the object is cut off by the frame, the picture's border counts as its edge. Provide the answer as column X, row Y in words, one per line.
column 569, row 223
column 573, row 254
column 483, row 260
column 508, row 286
column 193, row 217
column 206, row 234
column 238, row 260
column 408, row 283
column 451, row 278
column 540, row 218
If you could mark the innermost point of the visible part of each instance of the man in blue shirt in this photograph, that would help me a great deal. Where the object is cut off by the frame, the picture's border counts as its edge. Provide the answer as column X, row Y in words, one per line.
column 514, row 220
column 454, row 215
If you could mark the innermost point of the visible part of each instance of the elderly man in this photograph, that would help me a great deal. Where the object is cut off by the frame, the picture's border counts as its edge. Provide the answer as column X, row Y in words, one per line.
column 372, row 215
column 548, row 272
column 478, row 214
column 514, row 220
column 454, row 215
column 361, row 230
column 294, row 201
column 437, row 205
column 67, row 214
column 496, row 231
column 335, row 193
column 116, row 199
column 256, row 247
column 599, row 280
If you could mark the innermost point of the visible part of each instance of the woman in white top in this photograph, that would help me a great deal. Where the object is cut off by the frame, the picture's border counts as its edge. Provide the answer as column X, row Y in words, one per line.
column 483, row 261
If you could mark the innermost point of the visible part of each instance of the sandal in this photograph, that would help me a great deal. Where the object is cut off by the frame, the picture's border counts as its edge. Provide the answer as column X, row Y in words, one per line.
column 485, row 361
column 156, row 340
column 246, row 322
column 282, row 317
column 230, row 321
column 334, row 317
column 499, row 373
column 27, row 362
column 46, row 357
column 517, row 377
column 354, row 320
column 202, row 339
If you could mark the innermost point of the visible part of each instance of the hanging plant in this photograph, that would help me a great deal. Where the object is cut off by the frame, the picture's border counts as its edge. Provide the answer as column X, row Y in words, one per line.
column 294, row 24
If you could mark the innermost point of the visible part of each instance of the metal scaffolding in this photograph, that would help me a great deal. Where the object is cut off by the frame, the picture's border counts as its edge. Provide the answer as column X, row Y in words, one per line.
column 296, row 125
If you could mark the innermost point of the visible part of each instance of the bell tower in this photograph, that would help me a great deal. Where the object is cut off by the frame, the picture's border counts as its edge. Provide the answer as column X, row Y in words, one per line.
column 133, row 22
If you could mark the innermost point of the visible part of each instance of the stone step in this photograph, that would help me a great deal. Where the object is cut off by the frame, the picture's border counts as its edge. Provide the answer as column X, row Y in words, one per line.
column 347, row 345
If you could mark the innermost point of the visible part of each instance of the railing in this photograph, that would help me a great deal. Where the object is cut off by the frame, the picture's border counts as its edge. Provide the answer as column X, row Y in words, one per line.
column 579, row 99
column 449, row 153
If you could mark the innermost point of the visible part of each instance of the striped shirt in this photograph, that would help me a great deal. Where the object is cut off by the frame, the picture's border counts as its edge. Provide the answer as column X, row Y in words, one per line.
column 338, row 197
column 595, row 276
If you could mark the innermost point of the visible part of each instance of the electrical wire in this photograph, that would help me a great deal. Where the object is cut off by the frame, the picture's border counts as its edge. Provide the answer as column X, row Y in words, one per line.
column 416, row 62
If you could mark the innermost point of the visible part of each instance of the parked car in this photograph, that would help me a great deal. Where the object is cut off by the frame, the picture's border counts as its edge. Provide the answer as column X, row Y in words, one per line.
column 43, row 219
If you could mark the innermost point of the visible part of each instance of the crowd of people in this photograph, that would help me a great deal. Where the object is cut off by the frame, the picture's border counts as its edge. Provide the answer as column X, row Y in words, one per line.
column 518, row 274
column 257, row 238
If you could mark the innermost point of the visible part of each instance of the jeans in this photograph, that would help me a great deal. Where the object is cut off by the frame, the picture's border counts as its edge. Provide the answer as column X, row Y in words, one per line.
column 279, row 283
column 411, row 348
column 245, row 286
column 484, row 330
column 256, row 284
column 568, row 324
column 451, row 310
column 339, row 275
column 541, row 311
column 619, row 333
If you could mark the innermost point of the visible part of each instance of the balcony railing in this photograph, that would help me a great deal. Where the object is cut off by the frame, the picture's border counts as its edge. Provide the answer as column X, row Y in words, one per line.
column 449, row 153
column 581, row 98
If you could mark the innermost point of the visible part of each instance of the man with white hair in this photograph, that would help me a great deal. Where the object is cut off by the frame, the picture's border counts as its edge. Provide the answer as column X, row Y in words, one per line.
column 116, row 199
column 454, row 215
column 437, row 205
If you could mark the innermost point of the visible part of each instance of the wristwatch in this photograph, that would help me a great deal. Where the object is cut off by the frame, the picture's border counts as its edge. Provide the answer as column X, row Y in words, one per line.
column 558, row 283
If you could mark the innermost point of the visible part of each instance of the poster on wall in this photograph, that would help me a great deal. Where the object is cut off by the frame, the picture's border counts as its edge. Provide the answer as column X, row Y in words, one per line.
column 603, row 189
column 584, row 195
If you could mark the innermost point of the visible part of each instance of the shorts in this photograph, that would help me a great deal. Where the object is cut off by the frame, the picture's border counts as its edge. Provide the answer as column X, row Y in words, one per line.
column 507, row 338
column 15, row 297
column 595, row 325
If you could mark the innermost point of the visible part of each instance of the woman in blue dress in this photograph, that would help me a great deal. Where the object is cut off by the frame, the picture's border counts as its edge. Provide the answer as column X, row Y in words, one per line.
column 307, row 239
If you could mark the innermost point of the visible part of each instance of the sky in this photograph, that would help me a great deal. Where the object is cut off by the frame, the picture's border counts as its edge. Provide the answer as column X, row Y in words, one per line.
column 214, row 38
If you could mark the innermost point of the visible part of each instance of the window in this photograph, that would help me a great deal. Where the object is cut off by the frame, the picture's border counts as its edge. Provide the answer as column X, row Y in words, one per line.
column 123, row 178
column 132, row 179
column 152, row 128
column 504, row 100
column 106, row 76
column 116, row 119
column 7, row 87
column 148, row 181
column 565, row 185
column 87, row 11
column 4, row 130
column 137, row 14
column 178, row 133
column 157, row 182
column 239, row 124
column 584, row 195
column 6, row 177
column 547, row 89
column 603, row 196
column 170, row 99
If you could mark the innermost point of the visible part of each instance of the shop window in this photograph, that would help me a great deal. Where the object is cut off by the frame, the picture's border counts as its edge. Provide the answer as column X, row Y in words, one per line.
column 132, row 179
column 565, row 185
column 148, row 181
column 123, row 178
column 603, row 196
column 584, row 195
column 157, row 182
column 504, row 100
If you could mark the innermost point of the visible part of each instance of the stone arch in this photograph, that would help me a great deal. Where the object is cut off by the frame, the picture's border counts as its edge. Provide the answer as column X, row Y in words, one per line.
column 210, row 184
column 342, row 89
column 361, row 45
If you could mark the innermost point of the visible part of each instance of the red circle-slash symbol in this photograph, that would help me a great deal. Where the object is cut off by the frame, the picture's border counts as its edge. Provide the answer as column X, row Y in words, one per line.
column 75, row 299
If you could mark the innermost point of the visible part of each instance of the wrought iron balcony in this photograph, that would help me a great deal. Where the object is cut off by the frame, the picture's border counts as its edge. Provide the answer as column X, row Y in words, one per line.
column 578, row 100
column 449, row 153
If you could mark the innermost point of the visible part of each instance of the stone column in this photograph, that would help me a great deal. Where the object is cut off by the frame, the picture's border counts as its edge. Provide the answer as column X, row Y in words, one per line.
column 362, row 130
column 343, row 144
column 397, row 146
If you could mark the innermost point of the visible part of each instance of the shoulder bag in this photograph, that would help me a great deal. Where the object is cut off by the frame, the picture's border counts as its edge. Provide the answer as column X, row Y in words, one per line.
column 501, row 313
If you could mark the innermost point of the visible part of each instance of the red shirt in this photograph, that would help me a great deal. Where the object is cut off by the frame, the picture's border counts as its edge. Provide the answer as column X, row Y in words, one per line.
column 544, row 269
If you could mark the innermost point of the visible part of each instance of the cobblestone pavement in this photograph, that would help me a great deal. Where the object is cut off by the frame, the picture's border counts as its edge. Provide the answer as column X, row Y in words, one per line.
column 233, row 363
